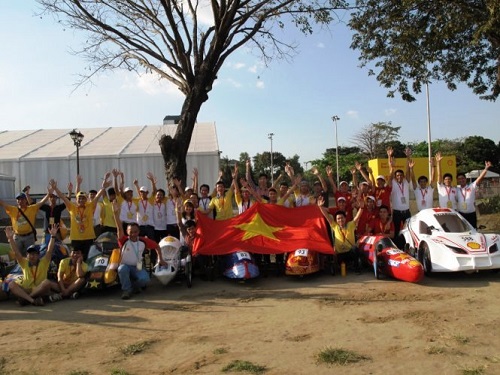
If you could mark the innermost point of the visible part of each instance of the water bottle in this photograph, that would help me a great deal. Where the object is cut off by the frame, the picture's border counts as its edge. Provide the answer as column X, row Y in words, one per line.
column 343, row 270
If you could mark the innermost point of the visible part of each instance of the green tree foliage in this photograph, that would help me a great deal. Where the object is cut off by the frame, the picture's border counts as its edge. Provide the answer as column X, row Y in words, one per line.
column 414, row 42
column 348, row 156
column 184, row 42
column 476, row 150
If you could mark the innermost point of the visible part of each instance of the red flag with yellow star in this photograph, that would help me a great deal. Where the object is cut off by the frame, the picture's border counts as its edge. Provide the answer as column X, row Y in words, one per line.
column 264, row 229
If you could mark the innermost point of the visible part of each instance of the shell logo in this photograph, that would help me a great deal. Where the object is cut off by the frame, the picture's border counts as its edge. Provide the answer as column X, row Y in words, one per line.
column 473, row 245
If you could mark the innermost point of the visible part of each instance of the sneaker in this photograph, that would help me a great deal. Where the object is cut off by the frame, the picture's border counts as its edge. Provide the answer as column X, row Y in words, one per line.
column 75, row 295
column 137, row 290
column 55, row 297
column 38, row 302
column 22, row 302
column 126, row 295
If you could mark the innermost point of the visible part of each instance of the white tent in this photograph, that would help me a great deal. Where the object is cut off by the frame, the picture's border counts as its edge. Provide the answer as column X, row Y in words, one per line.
column 476, row 172
column 35, row 156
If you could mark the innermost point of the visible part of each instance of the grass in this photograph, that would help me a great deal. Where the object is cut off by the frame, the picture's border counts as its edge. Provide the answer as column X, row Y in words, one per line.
column 435, row 350
column 244, row 366
column 473, row 371
column 219, row 351
column 461, row 339
column 341, row 357
column 119, row 372
column 3, row 362
column 137, row 348
column 78, row 372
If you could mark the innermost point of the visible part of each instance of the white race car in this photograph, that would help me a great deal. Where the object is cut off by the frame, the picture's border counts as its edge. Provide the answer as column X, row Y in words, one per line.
column 443, row 241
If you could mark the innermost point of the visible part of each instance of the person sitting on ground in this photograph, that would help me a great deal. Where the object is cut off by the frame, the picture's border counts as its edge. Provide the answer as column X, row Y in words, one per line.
column 34, row 285
column 133, row 277
column 71, row 274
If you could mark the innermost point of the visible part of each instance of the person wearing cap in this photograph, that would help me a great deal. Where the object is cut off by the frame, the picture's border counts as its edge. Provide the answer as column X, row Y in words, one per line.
column 81, row 214
column 424, row 190
column 22, row 218
column 34, row 285
column 370, row 213
column 128, row 207
column 400, row 196
column 381, row 191
column 132, row 274
column 344, row 235
column 145, row 207
column 447, row 193
column 364, row 187
column 341, row 205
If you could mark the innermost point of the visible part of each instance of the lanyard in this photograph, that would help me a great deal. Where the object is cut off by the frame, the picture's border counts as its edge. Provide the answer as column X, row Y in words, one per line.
column 144, row 206
column 423, row 192
column 401, row 187
column 135, row 247
column 448, row 189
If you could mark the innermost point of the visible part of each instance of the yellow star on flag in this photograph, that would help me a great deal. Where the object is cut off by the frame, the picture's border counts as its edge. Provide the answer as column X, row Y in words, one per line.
column 94, row 284
column 258, row 227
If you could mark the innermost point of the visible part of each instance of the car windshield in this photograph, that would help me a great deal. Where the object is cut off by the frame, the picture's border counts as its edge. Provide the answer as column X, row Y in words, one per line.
column 452, row 223
column 386, row 242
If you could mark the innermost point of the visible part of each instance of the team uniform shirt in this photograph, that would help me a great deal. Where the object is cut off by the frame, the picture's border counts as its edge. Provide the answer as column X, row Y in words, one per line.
column 400, row 196
column 302, row 200
column 466, row 196
column 98, row 213
column 447, row 196
column 223, row 206
column 364, row 221
column 68, row 270
column 132, row 251
column 203, row 204
column 171, row 212
column 377, row 227
column 145, row 214
column 128, row 211
column 19, row 223
column 160, row 215
column 108, row 220
column 424, row 197
column 33, row 275
column 242, row 206
column 82, row 221
column 344, row 237
column 383, row 196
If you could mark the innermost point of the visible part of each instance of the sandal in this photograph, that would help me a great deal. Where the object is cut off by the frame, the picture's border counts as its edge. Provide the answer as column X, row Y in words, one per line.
column 38, row 302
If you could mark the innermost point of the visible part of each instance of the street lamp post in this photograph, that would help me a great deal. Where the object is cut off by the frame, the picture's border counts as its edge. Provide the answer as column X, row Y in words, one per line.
column 336, row 118
column 270, row 136
column 77, row 138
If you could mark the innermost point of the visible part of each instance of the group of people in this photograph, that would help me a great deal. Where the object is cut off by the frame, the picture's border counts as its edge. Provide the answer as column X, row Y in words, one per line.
column 376, row 206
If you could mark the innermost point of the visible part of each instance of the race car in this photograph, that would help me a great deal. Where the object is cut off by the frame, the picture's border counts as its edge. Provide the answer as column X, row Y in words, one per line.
column 385, row 258
column 443, row 241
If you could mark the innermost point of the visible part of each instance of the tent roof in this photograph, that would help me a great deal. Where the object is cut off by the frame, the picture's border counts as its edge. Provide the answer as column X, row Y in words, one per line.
column 476, row 172
column 110, row 141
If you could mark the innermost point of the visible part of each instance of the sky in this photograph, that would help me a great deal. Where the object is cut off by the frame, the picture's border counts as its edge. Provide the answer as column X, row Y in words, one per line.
column 295, row 100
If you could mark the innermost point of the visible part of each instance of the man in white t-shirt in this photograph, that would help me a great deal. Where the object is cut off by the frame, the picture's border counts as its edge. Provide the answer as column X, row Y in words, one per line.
column 424, row 190
column 466, row 195
column 446, row 192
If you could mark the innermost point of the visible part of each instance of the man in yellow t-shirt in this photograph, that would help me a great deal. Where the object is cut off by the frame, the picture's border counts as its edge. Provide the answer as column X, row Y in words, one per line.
column 34, row 283
column 71, row 274
column 82, row 233
column 344, row 234
column 24, row 232
column 223, row 201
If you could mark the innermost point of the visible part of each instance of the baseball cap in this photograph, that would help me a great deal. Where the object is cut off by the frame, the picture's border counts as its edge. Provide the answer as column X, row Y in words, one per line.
column 33, row 249
column 343, row 182
column 188, row 188
column 21, row 196
column 370, row 197
column 81, row 194
column 341, row 199
column 144, row 189
column 380, row 177
column 127, row 189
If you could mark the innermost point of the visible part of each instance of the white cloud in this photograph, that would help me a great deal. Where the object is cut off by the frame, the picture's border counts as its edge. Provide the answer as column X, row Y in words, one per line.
column 260, row 84
column 320, row 45
column 390, row 111
column 353, row 114
column 234, row 83
column 236, row 66
column 253, row 69
column 151, row 84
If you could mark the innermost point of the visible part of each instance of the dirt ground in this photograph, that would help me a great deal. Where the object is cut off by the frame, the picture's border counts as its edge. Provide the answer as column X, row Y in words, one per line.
column 447, row 324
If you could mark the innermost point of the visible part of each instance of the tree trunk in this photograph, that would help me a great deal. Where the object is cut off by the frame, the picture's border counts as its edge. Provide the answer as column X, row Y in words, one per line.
column 174, row 150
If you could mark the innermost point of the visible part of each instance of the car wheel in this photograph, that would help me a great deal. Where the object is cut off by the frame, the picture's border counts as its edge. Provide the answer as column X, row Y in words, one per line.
column 426, row 258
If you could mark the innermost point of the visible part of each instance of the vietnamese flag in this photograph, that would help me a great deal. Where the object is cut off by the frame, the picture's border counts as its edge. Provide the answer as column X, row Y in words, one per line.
column 264, row 229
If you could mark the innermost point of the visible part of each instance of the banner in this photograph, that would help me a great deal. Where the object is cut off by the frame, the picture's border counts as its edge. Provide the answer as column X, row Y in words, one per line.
column 264, row 229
